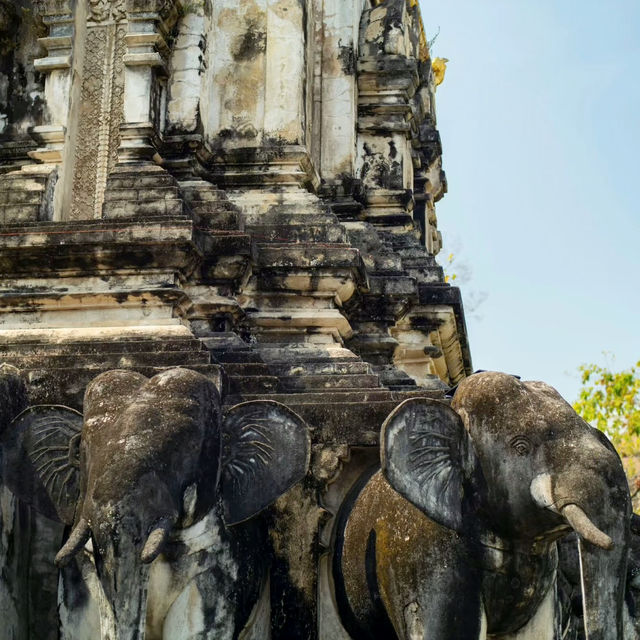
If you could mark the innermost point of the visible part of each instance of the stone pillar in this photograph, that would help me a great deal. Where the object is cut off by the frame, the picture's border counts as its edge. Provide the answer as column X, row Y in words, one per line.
column 186, row 69
column 36, row 107
column 255, row 113
column 389, row 71
column 57, row 68
column 145, row 63
column 341, row 25
column 136, row 185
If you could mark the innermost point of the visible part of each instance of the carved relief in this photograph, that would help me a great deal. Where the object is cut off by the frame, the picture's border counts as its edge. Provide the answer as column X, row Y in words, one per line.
column 98, row 467
column 102, row 10
column 100, row 116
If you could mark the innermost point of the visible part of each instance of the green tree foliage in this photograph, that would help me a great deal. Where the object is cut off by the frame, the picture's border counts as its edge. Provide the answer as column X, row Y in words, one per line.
column 610, row 401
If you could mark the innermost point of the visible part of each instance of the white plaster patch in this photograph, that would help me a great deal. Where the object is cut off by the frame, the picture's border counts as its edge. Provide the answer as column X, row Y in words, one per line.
column 186, row 618
column 542, row 625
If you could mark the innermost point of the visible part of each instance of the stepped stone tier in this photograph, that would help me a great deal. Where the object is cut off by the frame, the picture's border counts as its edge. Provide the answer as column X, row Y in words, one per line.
column 242, row 188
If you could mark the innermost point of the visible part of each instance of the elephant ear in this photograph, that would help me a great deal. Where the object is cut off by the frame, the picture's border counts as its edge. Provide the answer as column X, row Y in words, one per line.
column 41, row 460
column 428, row 457
column 266, row 450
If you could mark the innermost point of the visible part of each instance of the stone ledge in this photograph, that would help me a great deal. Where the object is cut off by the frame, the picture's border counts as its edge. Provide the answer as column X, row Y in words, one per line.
column 353, row 418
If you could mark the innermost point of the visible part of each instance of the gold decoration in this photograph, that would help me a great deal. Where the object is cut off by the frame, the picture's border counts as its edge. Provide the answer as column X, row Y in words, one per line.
column 439, row 66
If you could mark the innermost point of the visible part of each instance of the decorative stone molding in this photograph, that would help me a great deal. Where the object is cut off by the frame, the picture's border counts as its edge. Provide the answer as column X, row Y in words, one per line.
column 102, row 10
column 145, row 60
column 57, row 16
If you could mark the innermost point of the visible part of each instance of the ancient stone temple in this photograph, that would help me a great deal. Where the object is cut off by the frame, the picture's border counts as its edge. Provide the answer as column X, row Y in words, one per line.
column 218, row 278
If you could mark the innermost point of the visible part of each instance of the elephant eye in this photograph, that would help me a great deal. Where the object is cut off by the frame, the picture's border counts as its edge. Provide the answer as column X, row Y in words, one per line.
column 522, row 445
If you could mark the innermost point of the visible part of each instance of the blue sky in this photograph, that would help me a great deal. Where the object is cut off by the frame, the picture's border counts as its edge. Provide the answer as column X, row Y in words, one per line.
column 540, row 121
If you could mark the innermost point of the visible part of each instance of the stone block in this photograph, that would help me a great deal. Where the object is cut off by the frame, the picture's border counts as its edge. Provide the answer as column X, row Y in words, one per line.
column 142, row 208
column 142, row 193
column 299, row 233
column 139, row 181
column 11, row 213
column 330, row 381
column 254, row 384
column 18, row 196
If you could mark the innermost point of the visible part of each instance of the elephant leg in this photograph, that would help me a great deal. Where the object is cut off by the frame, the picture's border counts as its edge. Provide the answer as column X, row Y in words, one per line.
column 444, row 603
column 423, row 574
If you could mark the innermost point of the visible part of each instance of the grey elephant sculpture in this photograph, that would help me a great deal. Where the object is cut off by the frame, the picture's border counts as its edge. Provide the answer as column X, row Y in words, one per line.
column 455, row 538
column 154, row 471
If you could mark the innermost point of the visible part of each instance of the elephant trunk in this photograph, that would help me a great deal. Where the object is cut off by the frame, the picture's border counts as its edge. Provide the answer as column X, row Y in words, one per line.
column 603, row 576
column 128, row 534
column 124, row 579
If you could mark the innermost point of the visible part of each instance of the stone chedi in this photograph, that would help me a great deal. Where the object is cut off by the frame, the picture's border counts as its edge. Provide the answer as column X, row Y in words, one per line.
column 218, row 281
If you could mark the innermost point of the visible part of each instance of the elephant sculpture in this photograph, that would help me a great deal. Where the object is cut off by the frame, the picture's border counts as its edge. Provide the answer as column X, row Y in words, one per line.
column 455, row 537
column 159, row 490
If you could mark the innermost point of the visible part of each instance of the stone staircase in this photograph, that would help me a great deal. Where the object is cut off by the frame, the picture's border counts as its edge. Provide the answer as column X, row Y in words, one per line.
column 59, row 372
column 24, row 196
column 333, row 389
column 141, row 193
column 210, row 208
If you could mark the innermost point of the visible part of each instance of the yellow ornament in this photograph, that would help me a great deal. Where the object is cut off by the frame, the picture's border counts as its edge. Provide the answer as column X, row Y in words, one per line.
column 439, row 66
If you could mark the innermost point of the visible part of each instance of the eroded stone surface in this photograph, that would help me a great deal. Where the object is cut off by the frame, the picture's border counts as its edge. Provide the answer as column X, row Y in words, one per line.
column 246, row 190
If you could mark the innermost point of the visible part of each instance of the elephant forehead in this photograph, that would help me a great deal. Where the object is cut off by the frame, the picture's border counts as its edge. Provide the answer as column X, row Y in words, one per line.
column 110, row 392
column 181, row 382
column 504, row 403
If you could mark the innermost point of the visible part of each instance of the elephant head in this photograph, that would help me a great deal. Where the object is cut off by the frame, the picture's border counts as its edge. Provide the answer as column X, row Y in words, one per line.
column 149, row 456
column 512, row 461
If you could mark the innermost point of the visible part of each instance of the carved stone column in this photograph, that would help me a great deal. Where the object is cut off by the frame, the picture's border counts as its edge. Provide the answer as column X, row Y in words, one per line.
column 59, row 19
column 145, row 74
column 136, row 185
column 392, row 51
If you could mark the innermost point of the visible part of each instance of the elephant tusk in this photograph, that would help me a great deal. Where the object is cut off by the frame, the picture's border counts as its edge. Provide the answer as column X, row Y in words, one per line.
column 78, row 538
column 156, row 541
column 581, row 524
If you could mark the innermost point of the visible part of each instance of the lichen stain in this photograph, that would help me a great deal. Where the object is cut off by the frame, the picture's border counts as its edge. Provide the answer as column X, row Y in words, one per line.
column 293, row 537
column 375, row 28
column 251, row 43
column 241, row 80
column 407, row 544
column 347, row 58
